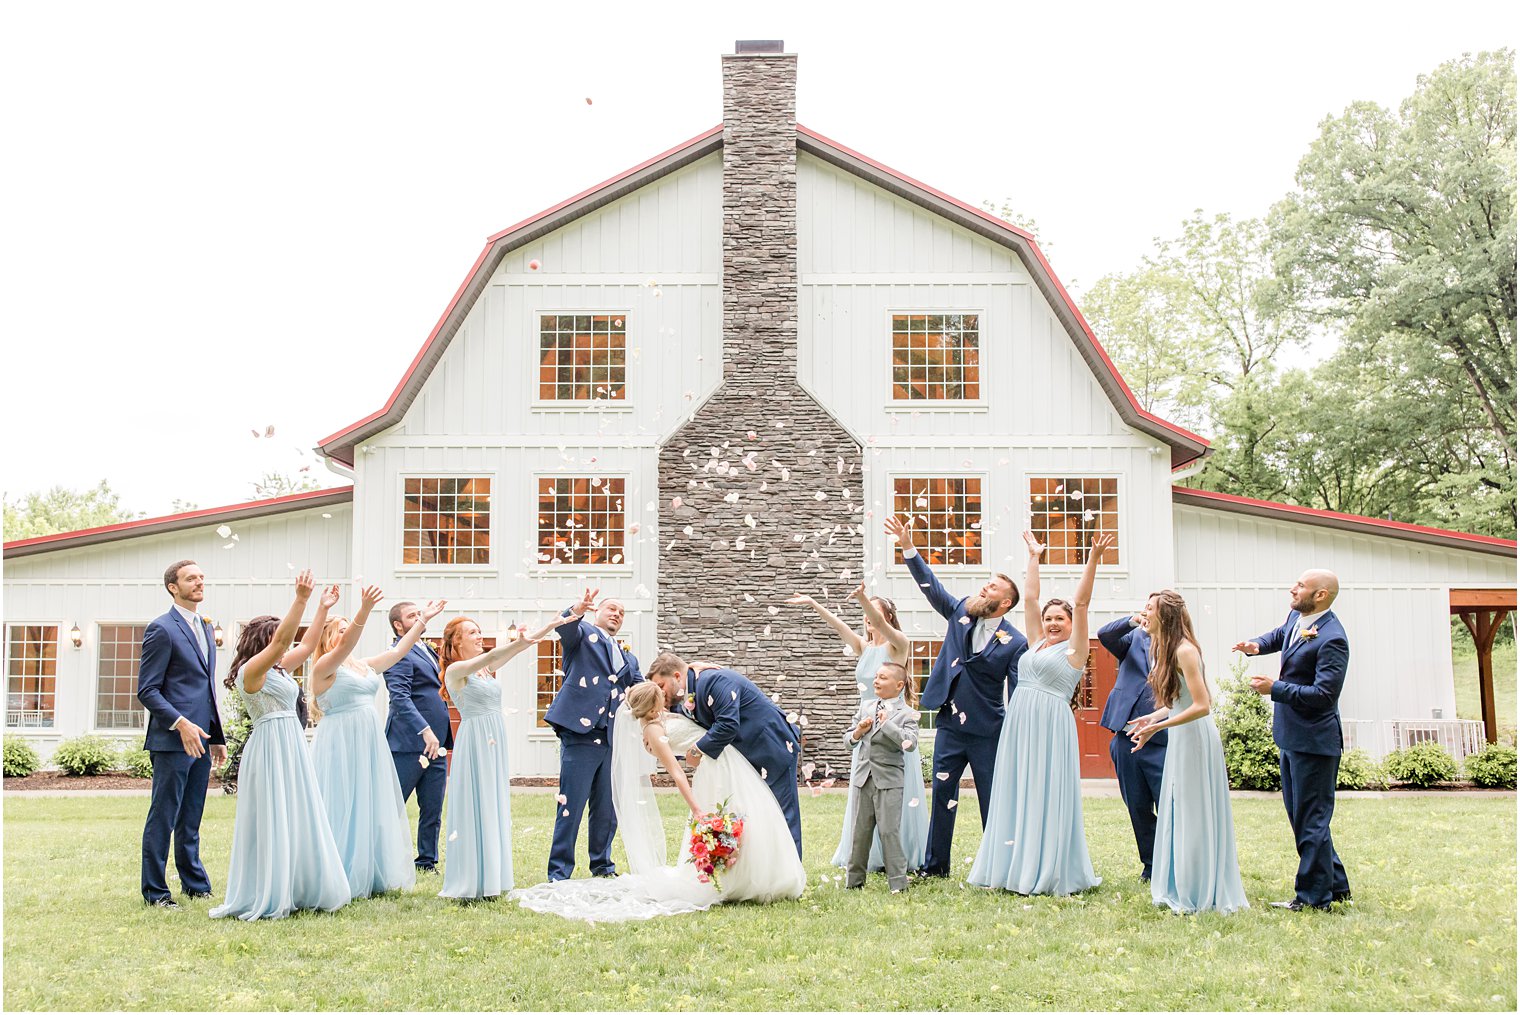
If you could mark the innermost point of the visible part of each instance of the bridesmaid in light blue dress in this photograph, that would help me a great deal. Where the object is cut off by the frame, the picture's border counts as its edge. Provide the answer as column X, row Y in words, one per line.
column 283, row 854
column 1034, row 842
column 882, row 642
column 1195, row 866
column 478, row 854
column 354, row 767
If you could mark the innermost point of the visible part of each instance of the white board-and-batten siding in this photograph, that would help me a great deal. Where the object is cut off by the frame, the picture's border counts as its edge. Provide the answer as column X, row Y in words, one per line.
column 1235, row 571
column 121, row 582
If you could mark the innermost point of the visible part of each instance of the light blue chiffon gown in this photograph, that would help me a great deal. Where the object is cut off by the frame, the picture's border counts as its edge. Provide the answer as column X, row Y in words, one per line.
column 478, row 852
column 1034, row 843
column 1195, row 866
column 360, row 790
column 283, row 854
column 915, row 815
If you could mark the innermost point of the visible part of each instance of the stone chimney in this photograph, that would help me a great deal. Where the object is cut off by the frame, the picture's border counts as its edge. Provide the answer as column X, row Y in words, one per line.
column 761, row 492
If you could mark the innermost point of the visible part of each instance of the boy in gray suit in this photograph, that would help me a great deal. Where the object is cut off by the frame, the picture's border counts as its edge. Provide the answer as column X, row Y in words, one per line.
column 884, row 730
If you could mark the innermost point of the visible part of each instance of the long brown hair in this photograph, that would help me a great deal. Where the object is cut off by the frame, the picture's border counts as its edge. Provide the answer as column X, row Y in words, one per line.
column 253, row 640
column 1173, row 627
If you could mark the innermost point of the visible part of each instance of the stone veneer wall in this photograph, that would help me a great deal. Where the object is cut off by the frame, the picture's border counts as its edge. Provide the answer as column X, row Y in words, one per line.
column 761, row 489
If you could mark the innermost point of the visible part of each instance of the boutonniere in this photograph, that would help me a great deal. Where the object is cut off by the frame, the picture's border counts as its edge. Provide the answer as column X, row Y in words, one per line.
column 691, row 702
column 623, row 646
column 1309, row 634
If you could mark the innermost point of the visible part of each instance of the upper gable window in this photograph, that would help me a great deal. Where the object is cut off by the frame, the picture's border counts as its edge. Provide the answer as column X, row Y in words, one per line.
column 582, row 357
column 936, row 357
column 446, row 520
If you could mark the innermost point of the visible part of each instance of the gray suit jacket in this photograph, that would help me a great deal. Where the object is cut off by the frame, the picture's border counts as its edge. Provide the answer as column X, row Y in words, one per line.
column 882, row 747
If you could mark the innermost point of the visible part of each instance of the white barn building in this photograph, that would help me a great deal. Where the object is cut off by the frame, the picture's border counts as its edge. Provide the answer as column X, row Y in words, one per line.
column 543, row 435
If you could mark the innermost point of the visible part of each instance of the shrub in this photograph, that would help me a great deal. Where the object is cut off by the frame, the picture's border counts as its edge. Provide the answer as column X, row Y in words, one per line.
column 86, row 755
column 236, row 728
column 1359, row 771
column 1423, row 764
column 1245, row 727
column 1494, row 766
column 21, row 758
column 136, row 762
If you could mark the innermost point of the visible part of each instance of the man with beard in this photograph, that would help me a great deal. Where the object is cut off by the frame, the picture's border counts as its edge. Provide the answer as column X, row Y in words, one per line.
column 977, row 670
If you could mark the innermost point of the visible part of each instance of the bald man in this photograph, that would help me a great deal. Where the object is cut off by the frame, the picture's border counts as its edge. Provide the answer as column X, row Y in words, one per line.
column 1306, row 725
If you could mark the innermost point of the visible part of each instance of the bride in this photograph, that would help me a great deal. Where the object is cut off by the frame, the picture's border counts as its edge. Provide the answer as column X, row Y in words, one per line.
column 765, row 869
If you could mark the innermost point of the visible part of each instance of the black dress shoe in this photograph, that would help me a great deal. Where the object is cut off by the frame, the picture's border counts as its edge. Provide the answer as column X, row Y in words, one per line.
column 426, row 868
column 1297, row 905
column 605, row 874
column 164, row 904
column 197, row 895
column 1341, row 897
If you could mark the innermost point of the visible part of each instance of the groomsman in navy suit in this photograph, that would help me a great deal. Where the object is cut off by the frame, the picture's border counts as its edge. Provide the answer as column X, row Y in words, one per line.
column 176, row 684
column 598, row 671
column 417, row 726
column 1139, row 771
column 735, row 714
column 1306, row 724
column 975, row 673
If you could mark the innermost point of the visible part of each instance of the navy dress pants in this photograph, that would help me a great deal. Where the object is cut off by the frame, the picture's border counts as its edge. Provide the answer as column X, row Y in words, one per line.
column 175, row 807
column 430, row 784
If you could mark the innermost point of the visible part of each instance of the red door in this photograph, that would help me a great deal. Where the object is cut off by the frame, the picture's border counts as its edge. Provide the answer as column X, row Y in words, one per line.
column 1092, row 740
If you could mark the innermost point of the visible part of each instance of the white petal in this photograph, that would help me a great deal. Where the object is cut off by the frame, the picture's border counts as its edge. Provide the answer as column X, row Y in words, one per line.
column 585, row 721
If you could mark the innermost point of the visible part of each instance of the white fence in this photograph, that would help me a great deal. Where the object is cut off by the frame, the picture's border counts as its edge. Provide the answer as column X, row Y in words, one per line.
column 1459, row 737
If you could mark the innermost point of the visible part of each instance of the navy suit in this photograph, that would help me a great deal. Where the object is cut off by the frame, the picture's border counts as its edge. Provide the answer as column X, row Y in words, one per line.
column 1306, row 724
column 416, row 703
column 175, row 680
column 968, row 691
column 738, row 714
column 582, row 714
column 1139, row 772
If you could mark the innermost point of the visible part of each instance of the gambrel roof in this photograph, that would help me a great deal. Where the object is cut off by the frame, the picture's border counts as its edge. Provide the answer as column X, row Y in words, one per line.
column 1185, row 446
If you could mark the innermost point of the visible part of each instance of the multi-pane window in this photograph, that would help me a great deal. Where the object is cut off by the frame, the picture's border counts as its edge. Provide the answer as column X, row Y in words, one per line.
column 936, row 357
column 550, row 677
column 446, row 520
column 921, row 655
column 946, row 514
column 486, row 644
column 31, row 671
column 120, row 651
column 582, row 357
column 580, row 520
column 1065, row 515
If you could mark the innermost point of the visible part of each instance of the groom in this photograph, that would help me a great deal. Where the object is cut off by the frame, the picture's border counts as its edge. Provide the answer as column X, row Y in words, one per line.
column 175, row 685
column 735, row 714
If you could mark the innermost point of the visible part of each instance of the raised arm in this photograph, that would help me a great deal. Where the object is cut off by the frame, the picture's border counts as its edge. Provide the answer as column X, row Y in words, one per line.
column 897, row 641
column 849, row 637
column 326, row 667
column 302, row 650
column 254, row 670
column 1101, row 543
column 385, row 660
column 570, row 635
column 459, row 672
column 659, row 745
column 943, row 602
column 1032, row 588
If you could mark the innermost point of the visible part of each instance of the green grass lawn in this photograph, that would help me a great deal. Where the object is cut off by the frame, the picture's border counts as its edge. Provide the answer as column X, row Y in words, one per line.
column 1433, row 927
column 1464, row 671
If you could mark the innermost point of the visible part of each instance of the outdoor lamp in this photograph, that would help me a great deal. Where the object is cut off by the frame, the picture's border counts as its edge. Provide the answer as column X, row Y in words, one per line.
column 216, row 633
column 77, row 637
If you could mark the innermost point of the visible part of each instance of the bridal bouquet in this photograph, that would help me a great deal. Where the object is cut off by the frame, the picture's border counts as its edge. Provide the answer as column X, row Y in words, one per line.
column 715, row 843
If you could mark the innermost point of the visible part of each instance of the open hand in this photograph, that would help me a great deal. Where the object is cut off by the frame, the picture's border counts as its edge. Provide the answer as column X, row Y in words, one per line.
column 1141, row 737
column 860, row 592
column 370, row 596
column 902, row 531
column 433, row 608
column 304, row 585
column 801, row 600
column 329, row 597
column 1036, row 548
column 588, row 600
column 1262, row 684
column 1101, row 544
column 1250, row 648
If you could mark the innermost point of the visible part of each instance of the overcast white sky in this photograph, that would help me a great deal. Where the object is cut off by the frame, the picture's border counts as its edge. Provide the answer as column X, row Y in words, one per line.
column 221, row 217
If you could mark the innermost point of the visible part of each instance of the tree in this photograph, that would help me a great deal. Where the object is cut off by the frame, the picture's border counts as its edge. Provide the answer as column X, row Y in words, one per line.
column 63, row 510
column 1403, row 230
column 279, row 484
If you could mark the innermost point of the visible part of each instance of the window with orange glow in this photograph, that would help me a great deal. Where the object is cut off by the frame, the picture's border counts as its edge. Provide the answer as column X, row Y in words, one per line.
column 947, row 517
column 580, row 520
column 582, row 357
column 446, row 520
column 1065, row 515
column 936, row 357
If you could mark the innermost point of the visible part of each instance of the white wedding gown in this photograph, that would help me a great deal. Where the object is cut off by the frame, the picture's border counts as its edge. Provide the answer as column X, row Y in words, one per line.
column 765, row 869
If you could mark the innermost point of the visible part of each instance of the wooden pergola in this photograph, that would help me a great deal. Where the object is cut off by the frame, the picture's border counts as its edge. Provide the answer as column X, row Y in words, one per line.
column 1483, row 611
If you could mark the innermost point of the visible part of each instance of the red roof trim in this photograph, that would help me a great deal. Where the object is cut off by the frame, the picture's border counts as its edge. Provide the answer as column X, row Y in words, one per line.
column 1044, row 265
column 475, row 268
column 294, row 501
column 1297, row 513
